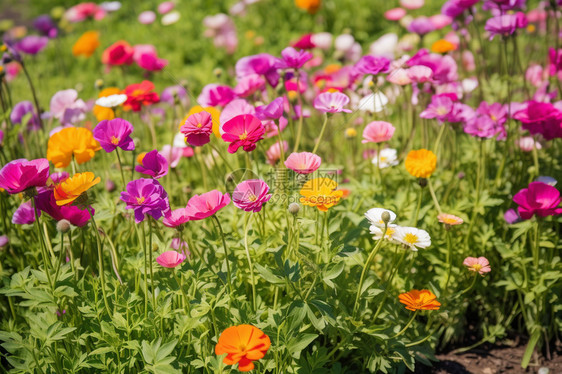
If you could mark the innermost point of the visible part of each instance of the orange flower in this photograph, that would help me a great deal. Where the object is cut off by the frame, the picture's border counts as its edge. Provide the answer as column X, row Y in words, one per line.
column 443, row 46
column 242, row 344
column 72, row 188
column 311, row 6
column 215, row 116
column 87, row 44
column 421, row 163
column 449, row 219
column 103, row 113
column 321, row 193
column 419, row 300
column 71, row 141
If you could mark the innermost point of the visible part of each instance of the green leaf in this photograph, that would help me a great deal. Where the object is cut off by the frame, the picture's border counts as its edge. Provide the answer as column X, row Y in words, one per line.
column 530, row 348
column 295, row 346
column 268, row 275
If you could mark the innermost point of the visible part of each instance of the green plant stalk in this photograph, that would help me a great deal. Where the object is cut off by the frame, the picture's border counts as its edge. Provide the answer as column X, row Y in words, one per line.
column 180, row 285
column 100, row 257
column 364, row 271
column 61, row 255
column 33, row 93
column 418, row 206
column 250, row 266
column 228, row 274
column 536, row 245
column 478, row 188
column 471, row 285
column 449, row 259
column 321, row 134
column 150, row 262
column 121, row 169
column 407, row 325
column 301, row 116
column 388, row 283
column 438, row 140
column 42, row 244
column 141, row 240
column 433, row 197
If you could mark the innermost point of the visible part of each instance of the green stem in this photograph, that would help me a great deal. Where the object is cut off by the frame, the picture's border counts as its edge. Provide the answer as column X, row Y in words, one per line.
column 150, row 262
column 471, row 285
column 42, row 244
column 449, row 259
column 250, row 266
column 321, row 133
column 100, row 258
column 407, row 325
column 417, row 211
column 228, row 274
column 433, row 197
column 388, row 283
column 121, row 169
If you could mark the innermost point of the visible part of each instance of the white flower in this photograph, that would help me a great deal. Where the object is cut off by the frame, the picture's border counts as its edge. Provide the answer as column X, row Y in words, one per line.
column 322, row 40
column 171, row 18
column 389, row 235
column 111, row 101
column 374, row 216
column 373, row 103
column 384, row 46
column 413, row 237
column 179, row 141
column 388, row 157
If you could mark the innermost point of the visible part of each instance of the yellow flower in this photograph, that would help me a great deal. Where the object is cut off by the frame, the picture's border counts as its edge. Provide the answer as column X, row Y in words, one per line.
column 350, row 132
column 215, row 116
column 72, row 188
column 103, row 113
column 87, row 44
column 321, row 193
column 421, row 163
column 442, row 46
column 71, row 141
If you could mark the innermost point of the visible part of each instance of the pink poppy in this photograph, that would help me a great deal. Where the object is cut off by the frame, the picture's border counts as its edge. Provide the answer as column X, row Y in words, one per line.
column 20, row 175
column 243, row 131
column 205, row 205
column 215, row 94
column 248, row 85
column 303, row 162
column 273, row 154
column 235, row 108
column 250, row 195
column 331, row 102
column 170, row 259
column 198, row 128
column 538, row 199
column 176, row 218
column 394, row 14
column 378, row 132
column 480, row 264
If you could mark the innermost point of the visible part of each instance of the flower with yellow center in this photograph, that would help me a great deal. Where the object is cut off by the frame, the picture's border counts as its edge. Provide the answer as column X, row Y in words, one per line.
column 389, row 234
column 412, row 237
column 449, row 219
column 421, row 163
column 215, row 117
column 140, row 157
column 71, row 141
column 74, row 188
column 419, row 300
column 321, row 193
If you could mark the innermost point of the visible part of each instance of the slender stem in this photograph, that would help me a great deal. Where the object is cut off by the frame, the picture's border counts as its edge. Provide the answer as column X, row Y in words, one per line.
column 100, row 258
column 439, row 136
column 449, row 258
column 388, row 283
column 432, row 192
column 121, row 168
column 41, row 240
column 417, row 212
column 407, row 325
column 299, row 128
column 142, row 240
column 536, row 246
column 471, row 285
column 478, row 187
column 150, row 262
column 33, row 93
column 321, row 133
column 180, row 285
column 228, row 275
column 250, row 266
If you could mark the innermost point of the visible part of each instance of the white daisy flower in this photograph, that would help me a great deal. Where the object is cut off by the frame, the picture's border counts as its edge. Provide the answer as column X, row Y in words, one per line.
column 389, row 235
column 374, row 216
column 388, row 157
column 171, row 18
column 413, row 237
column 111, row 101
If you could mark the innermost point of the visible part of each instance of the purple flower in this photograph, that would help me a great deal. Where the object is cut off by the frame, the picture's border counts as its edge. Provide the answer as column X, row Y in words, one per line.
column 331, row 102
column 454, row 8
column 46, row 202
column 67, row 107
column 439, row 108
column 4, row 241
column 261, row 64
column 215, row 95
column 538, row 199
column 421, row 25
column 20, row 175
column 292, row 59
column 273, row 110
column 24, row 215
column 32, row 44
column 503, row 5
column 146, row 196
column 114, row 133
column 489, row 120
column 153, row 164
column 372, row 65
column 20, row 110
column 170, row 94
column 511, row 216
column 46, row 26
column 505, row 24
column 541, row 118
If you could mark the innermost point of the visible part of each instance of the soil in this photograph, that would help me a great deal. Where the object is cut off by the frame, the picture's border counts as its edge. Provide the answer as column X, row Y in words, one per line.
column 495, row 359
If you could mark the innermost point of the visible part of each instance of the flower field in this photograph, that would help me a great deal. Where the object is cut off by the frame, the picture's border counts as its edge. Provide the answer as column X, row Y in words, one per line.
column 308, row 186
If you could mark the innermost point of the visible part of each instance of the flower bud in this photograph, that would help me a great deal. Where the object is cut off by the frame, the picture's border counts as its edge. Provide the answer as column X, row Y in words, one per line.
column 385, row 216
column 63, row 226
column 294, row 208
column 422, row 182
column 109, row 185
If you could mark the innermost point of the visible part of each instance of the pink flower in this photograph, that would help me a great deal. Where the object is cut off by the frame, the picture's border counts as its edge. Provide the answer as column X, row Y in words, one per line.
column 215, row 95
column 243, row 131
column 273, row 110
column 528, row 143
column 221, row 28
column 67, row 107
column 19, row 175
column 170, row 259
column 205, row 205
column 24, row 215
column 82, row 11
column 146, row 57
column 153, row 164
column 174, row 154
column 166, row 7
column 248, row 85
column 420, row 73
column 147, row 17
column 303, row 162
column 538, row 199
column 292, row 59
column 372, row 65
column 412, row 4
column 331, row 102
column 273, row 154
column 176, row 218
column 394, row 14
column 235, row 108
column 114, row 133
column 250, row 195
column 378, row 132
column 439, row 108
column 480, row 264
column 198, row 129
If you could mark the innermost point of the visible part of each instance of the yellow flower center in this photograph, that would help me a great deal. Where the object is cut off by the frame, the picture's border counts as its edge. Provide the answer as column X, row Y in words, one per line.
column 243, row 136
column 442, row 111
column 252, row 198
column 199, row 125
column 389, row 232
column 477, row 267
column 494, row 118
column 411, row 238
column 140, row 200
column 114, row 140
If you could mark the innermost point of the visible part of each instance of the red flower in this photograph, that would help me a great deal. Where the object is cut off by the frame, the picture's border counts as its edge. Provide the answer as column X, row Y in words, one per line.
column 140, row 94
column 119, row 53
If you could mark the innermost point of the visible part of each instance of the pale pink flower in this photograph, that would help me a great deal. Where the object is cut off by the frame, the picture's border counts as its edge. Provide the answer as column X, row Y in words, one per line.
column 273, row 154
column 480, row 264
column 303, row 162
column 172, row 154
column 378, row 132
column 170, row 259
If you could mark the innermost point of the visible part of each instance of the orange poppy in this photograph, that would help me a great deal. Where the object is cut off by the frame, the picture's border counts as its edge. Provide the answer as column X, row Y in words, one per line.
column 72, row 188
column 443, row 46
column 421, row 163
column 71, row 141
column 419, row 300
column 311, row 6
column 243, row 344
column 87, row 44
column 321, row 193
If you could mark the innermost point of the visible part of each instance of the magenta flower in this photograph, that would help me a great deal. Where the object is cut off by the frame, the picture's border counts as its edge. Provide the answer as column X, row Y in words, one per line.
column 511, row 216
column 373, row 65
column 19, row 175
column 24, row 215
column 46, row 26
column 273, row 110
column 331, row 102
column 146, row 196
column 114, row 133
column 31, row 44
column 488, row 121
column 421, row 25
column 176, row 218
column 46, row 202
column 198, row 129
column 538, row 199
column 439, row 108
column 170, row 259
column 215, row 95
column 292, row 59
column 378, row 132
column 146, row 57
column 205, row 205
column 454, row 8
column 480, row 264
column 555, row 59
column 20, row 110
column 261, row 64
column 505, row 24
column 303, row 162
column 82, row 11
column 541, row 118
column 235, row 108
column 153, row 164
column 243, row 131
column 250, row 195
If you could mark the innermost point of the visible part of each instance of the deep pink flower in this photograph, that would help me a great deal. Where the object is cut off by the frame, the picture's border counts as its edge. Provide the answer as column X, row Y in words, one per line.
column 114, row 133
column 198, row 129
column 19, row 175
column 444, row 67
column 273, row 110
column 176, row 218
column 505, row 24
column 205, row 205
column 292, row 59
column 47, row 203
column 555, row 59
column 146, row 196
column 511, row 216
column 170, row 259
column 480, row 264
column 262, row 64
column 243, row 131
column 215, row 95
column 146, row 57
column 303, row 162
column 82, row 11
column 454, row 8
column 372, row 65
column 305, row 42
column 378, row 132
column 331, row 102
column 31, row 44
column 541, row 118
column 153, row 164
column 24, row 215
column 250, row 195
column 538, row 199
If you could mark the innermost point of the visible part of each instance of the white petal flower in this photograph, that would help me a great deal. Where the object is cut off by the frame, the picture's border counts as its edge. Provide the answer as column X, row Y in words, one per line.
column 388, row 157
column 179, row 140
column 171, row 18
column 389, row 235
column 413, row 237
column 111, row 101
column 373, row 103
column 374, row 216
